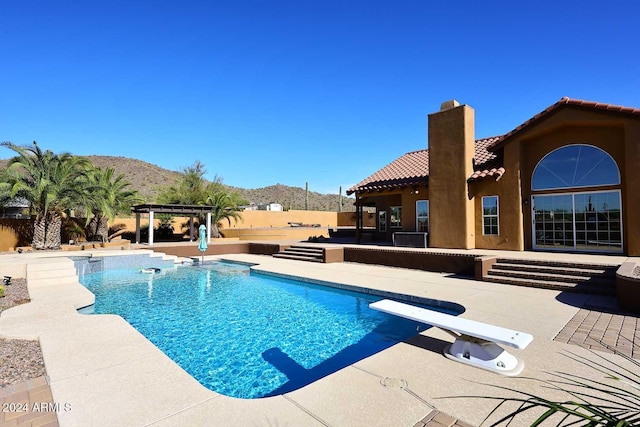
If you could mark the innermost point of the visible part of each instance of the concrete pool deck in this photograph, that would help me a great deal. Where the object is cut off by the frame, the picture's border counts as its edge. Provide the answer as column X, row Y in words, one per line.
column 109, row 374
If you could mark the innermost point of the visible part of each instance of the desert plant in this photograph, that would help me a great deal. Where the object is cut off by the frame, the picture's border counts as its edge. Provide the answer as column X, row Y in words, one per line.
column 590, row 401
column 1, row 291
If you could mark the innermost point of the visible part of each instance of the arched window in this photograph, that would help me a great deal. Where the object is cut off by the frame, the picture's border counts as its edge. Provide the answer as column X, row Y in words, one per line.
column 573, row 166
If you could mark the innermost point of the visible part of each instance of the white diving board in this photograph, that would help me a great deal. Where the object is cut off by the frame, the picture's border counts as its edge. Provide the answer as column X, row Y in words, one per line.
column 476, row 343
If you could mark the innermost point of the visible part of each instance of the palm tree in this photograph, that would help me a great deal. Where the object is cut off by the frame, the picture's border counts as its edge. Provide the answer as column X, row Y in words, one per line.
column 51, row 183
column 192, row 189
column 106, row 196
column 223, row 208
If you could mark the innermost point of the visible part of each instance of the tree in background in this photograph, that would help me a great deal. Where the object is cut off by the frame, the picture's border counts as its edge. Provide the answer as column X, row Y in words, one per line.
column 106, row 195
column 223, row 208
column 51, row 183
column 194, row 189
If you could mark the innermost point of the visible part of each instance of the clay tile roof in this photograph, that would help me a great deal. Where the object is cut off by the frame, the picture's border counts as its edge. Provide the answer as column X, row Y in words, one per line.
column 413, row 169
column 409, row 169
column 493, row 172
column 564, row 102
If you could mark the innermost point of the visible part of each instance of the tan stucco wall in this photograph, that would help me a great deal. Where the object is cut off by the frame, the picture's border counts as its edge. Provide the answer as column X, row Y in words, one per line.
column 8, row 238
column 348, row 219
column 253, row 219
column 631, row 190
column 282, row 219
column 451, row 150
column 509, row 213
column 276, row 233
column 618, row 136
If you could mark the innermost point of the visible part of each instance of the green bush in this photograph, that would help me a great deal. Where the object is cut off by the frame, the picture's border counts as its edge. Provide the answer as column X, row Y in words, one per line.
column 1, row 291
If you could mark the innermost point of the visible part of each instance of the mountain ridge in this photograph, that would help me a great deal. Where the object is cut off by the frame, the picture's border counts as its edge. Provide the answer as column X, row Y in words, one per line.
column 148, row 179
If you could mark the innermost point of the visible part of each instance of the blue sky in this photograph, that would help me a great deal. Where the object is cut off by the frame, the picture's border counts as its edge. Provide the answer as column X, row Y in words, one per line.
column 325, row 92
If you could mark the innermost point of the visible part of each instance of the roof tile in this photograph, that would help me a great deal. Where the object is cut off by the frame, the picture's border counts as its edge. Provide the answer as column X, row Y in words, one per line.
column 413, row 168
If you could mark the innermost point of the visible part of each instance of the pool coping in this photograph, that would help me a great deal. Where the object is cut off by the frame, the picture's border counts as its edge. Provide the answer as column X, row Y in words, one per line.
column 109, row 374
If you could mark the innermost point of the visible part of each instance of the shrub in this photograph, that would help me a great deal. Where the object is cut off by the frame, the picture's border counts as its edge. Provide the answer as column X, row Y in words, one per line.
column 612, row 400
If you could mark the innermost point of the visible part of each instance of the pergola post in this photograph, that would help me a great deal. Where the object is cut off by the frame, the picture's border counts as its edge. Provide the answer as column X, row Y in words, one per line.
column 191, row 228
column 137, row 228
column 208, row 227
column 150, row 228
column 358, row 220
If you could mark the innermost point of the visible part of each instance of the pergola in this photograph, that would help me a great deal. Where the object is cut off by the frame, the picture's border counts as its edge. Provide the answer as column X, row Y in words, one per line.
column 183, row 210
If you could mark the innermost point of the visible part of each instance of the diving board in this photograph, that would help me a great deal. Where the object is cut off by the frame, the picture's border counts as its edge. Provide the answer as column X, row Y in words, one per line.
column 476, row 343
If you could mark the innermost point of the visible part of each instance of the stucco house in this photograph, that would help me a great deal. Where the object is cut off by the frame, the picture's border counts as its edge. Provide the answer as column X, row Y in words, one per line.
column 565, row 180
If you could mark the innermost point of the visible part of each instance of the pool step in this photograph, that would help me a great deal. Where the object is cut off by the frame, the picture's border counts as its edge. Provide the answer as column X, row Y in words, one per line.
column 302, row 253
column 564, row 276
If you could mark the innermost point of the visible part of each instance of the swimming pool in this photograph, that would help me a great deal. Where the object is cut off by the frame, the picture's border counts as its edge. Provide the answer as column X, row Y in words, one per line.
column 243, row 334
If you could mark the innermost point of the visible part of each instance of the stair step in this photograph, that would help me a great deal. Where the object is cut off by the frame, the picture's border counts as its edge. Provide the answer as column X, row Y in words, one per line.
column 564, row 264
column 558, row 276
column 581, row 287
column 305, row 249
column 585, row 270
column 296, row 257
column 302, row 253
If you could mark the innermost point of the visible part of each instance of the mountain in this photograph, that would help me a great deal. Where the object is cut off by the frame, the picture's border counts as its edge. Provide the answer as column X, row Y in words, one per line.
column 148, row 179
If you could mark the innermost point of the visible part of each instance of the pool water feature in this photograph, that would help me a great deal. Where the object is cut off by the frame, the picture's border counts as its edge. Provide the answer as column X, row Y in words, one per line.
column 243, row 334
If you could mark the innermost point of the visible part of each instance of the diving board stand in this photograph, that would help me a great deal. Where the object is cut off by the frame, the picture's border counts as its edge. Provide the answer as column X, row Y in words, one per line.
column 476, row 343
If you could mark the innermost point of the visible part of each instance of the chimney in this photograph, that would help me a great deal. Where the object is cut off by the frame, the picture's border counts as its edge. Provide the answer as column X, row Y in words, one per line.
column 451, row 152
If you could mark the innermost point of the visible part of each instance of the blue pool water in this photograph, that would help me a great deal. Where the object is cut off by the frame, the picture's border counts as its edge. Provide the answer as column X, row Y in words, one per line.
column 243, row 334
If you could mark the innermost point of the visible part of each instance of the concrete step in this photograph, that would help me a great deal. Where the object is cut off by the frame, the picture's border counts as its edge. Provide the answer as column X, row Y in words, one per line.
column 296, row 257
column 57, row 272
column 549, row 263
column 570, row 277
column 302, row 253
column 558, row 275
column 305, row 249
column 583, row 270
column 581, row 287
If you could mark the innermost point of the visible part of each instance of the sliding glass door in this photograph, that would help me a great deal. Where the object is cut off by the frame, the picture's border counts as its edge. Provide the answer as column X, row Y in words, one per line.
column 589, row 221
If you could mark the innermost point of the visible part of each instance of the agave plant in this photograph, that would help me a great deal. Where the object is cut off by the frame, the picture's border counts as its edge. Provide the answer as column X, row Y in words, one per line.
column 613, row 400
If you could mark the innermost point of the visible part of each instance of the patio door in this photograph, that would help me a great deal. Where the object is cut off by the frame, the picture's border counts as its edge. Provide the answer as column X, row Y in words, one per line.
column 585, row 221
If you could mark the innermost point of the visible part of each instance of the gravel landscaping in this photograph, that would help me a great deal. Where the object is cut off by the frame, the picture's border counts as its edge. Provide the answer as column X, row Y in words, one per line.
column 20, row 360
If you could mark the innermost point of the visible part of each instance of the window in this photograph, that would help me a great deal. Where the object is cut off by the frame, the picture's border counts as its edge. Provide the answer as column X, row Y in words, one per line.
column 396, row 216
column 382, row 221
column 422, row 215
column 490, row 216
column 576, row 165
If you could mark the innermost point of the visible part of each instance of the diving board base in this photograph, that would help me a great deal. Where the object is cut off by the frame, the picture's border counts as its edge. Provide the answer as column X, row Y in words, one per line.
column 484, row 355
column 475, row 344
